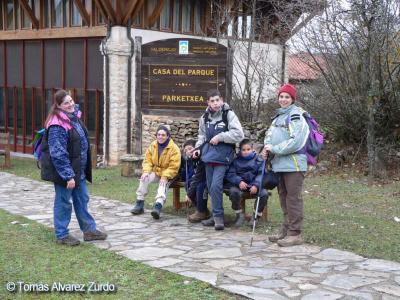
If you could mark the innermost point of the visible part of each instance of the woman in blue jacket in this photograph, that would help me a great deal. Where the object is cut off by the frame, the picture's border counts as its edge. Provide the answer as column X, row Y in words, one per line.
column 66, row 161
column 284, row 139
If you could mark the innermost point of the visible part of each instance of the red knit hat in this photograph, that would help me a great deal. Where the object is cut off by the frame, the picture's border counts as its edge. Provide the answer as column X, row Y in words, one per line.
column 288, row 88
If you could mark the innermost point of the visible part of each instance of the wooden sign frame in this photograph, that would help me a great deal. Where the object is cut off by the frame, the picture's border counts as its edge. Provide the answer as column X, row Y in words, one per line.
column 175, row 79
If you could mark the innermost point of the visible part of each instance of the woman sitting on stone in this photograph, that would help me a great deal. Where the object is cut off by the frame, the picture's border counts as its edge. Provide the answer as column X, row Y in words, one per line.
column 161, row 164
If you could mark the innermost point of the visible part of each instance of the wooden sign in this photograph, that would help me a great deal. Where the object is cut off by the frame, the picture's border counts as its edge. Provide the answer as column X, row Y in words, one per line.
column 177, row 73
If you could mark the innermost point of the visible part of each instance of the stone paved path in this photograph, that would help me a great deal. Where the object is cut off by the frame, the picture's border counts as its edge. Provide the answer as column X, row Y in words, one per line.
column 224, row 259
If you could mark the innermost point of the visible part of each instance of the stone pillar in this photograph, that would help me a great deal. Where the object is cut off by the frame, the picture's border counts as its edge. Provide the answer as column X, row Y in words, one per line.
column 117, row 48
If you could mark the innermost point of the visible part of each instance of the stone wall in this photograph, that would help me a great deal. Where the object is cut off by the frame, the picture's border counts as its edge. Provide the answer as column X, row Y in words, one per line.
column 183, row 129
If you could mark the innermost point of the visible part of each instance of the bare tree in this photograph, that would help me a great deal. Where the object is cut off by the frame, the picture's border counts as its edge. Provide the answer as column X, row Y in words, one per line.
column 257, row 64
column 359, row 42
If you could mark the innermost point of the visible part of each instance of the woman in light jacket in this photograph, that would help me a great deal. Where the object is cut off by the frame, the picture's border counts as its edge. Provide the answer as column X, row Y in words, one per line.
column 284, row 140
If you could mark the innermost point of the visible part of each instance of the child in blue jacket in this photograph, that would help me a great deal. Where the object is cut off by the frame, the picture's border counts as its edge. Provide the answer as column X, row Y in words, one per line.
column 244, row 174
column 196, row 185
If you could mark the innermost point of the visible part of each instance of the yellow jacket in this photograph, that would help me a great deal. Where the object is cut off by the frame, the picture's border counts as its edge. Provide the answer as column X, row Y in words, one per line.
column 167, row 166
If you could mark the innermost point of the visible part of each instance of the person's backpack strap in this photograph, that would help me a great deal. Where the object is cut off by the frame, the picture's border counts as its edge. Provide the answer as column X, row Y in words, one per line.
column 225, row 112
column 225, row 118
column 206, row 117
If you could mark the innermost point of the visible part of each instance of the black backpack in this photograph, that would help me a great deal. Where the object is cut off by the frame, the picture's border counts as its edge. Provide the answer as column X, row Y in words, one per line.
column 225, row 112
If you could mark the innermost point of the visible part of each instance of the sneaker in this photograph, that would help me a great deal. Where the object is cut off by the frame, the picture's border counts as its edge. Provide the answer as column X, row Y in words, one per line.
column 138, row 208
column 96, row 235
column 198, row 217
column 219, row 223
column 69, row 240
column 209, row 222
column 279, row 236
column 239, row 220
column 156, row 211
column 291, row 240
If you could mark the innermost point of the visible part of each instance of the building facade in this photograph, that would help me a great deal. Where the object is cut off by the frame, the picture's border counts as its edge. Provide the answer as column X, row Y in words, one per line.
column 92, row 47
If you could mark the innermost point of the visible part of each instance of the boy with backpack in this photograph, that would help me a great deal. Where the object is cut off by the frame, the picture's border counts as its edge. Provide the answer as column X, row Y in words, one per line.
column 244, row 174
column 219, row 131
column 194, row 174
column 288, row 141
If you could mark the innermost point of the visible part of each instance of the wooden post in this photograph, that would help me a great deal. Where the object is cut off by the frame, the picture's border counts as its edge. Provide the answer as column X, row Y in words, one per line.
column 7, row 156
column 5, row 138
column 243, row 205
column 176, row 198
column 137, row 129
column 264, row 216
column 93, row 154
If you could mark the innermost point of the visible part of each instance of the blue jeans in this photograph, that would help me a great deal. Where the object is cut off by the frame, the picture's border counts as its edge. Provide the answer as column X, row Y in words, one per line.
column 201, row 203
column 215, row 179
column 63, row 209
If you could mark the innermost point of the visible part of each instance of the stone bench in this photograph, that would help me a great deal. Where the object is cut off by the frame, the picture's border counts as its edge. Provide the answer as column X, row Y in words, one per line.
column 177, row 185
column 131, row 165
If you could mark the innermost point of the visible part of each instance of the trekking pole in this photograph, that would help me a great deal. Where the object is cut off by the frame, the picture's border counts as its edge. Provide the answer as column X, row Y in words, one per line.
column 186, row 185
column 258, row 201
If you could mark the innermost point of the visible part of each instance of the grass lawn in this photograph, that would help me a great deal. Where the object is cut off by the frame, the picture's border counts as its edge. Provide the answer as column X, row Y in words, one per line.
column 341, row 210
column 30, row 254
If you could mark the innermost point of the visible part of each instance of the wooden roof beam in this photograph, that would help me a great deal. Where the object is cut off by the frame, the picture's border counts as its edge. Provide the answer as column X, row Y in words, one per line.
column 29, row 12
column 101, row 9
column 156, row 13
column 82, row 11
column 109, row 10
column 129, row 10
column 137, row 9
column 118, row 11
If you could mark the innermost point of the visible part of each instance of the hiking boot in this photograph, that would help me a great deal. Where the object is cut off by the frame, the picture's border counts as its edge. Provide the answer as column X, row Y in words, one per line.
column 138, row 208
column 209, row 222
column 291, row 240
column 239, row 220
column 156, row 210
column 69, row 240
column 96, row 235
column 198, row 217
column 218, row 223
column 276, row 237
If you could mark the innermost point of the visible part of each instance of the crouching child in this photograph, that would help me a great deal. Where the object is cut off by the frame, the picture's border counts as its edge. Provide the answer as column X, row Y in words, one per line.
column 244, row 175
